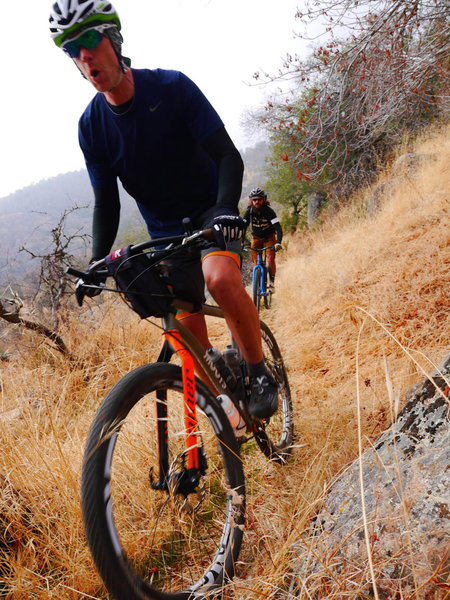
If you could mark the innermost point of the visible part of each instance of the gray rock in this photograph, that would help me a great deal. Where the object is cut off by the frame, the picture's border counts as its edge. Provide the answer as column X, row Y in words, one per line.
column 316, row 201
column 404, row 168
column 379, row 194
column 409, row 163
column 406, row 481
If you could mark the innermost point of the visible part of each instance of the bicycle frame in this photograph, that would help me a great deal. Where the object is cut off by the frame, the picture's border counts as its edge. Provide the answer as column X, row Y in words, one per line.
column 177, row 338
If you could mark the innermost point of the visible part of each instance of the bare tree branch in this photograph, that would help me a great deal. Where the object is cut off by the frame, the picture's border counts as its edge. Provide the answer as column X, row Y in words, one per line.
column 10, row 312
column 383, row 70
column 53, row 280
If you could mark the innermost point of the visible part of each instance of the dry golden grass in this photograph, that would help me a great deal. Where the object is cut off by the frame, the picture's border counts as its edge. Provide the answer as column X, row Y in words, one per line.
column 387, row 277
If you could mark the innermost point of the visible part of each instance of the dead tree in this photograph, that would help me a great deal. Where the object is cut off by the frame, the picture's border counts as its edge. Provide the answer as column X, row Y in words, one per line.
column 10, row 312
column 381, row 71
column 53, row 281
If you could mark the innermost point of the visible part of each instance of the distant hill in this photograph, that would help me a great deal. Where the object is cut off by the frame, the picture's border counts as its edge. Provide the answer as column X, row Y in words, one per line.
column 28, row 215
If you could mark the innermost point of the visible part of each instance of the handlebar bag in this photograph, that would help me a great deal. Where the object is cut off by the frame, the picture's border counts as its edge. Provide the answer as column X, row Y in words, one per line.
column 141, row 283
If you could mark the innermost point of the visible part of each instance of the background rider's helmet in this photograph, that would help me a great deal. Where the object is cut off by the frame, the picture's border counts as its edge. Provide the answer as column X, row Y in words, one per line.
column 258, row 192
column 71, row 17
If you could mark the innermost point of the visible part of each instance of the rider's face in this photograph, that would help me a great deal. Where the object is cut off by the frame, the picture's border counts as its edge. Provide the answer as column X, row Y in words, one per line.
column 257, row 202
column 100, row 66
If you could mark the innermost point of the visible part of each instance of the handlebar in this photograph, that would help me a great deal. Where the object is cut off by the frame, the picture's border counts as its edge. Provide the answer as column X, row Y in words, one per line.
column 163, row 247
column 258, row 250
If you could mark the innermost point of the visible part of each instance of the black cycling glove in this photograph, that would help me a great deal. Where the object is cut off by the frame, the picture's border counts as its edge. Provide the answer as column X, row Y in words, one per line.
column 90, row 288
column 227, row 227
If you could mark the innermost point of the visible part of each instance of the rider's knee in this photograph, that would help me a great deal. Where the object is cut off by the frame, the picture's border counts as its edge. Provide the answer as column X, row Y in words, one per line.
column 217, row 282
column 223, row 284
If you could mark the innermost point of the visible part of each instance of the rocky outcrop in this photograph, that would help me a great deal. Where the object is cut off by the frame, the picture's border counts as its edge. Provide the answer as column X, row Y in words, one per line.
column 410, row 163
column 406, row 485
column 315, row 201
column 404, row 168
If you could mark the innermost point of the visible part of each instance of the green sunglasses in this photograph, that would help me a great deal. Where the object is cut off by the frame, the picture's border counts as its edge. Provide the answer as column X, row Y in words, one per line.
column 89, row 39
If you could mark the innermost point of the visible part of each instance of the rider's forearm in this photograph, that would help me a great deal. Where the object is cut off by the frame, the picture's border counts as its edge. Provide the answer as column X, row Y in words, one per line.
column 279, row 232
column 105, row 221
column 230, row 182
column 231, row 168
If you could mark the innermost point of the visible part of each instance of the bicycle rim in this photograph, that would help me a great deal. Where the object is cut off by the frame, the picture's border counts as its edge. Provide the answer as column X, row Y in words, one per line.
column 151, row 543
column 275, row 436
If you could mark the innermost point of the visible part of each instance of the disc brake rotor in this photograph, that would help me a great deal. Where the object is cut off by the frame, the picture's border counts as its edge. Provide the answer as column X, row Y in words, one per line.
column 187, row 493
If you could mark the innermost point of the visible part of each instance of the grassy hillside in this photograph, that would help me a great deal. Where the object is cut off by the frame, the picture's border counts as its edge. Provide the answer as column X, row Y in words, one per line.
column 359, row 297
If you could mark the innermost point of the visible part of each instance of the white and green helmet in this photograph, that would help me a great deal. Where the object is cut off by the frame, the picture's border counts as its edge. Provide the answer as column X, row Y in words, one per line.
column 72, row 16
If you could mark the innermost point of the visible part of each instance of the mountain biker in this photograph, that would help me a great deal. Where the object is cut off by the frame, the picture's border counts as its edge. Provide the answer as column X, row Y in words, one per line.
column 156, row 132
column 266, row 229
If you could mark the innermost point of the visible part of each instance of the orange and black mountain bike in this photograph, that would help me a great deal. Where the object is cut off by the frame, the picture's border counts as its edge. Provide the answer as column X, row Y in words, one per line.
column 163, row 489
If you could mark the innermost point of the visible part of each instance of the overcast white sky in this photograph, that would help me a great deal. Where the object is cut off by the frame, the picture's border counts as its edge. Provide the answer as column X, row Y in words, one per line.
column 218, row 44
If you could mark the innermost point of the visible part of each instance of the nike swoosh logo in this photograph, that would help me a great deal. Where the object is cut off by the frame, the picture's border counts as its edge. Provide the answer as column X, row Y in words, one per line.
column 153, row 108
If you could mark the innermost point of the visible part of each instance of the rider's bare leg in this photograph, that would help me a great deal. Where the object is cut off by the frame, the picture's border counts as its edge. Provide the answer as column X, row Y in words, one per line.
column 223, row 278
column 224, row 281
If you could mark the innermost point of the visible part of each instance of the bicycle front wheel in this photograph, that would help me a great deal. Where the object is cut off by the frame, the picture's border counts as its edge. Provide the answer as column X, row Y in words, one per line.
column 275, row 436
column 171, row 537
column 257, row 288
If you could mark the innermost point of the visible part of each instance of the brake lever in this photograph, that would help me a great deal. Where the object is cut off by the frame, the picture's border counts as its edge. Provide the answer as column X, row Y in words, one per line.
column 207, row 234
column 76, row 273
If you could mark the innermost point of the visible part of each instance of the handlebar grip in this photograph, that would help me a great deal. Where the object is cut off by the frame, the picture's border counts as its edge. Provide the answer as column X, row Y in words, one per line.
column 208, row 234
column 76, row 273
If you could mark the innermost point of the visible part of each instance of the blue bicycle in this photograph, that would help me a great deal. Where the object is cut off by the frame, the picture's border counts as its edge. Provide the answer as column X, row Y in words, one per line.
column 260, row 278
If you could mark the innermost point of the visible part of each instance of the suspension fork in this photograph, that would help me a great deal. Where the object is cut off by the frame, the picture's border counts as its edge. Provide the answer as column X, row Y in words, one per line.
column 190, row 407
column 264, row 273
column 172, row 344
column 165, row 355
column 259, row 267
